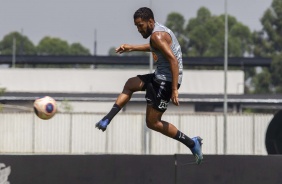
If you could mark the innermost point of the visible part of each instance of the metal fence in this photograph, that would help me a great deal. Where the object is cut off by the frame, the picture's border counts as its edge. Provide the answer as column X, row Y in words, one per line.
column 65, row 133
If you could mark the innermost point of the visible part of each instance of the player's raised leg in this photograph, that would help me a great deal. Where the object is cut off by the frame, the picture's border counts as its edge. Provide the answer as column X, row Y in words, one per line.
column 132, row 85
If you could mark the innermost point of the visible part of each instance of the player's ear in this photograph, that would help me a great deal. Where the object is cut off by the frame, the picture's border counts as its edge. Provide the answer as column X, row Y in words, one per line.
column 151, row 22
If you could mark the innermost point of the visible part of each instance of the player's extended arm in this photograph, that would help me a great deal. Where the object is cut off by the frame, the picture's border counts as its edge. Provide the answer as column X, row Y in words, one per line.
column 129, row 48
column 161, row 41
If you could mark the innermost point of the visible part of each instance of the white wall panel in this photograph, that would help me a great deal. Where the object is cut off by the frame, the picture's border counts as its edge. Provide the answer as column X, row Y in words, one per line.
column 85, row 137
column 161, row 144
column 203, row 126
column 127, row 134
column 240, row 134
column 16, row 132
column 260, row 127
column 52, row 136
column 220, row 134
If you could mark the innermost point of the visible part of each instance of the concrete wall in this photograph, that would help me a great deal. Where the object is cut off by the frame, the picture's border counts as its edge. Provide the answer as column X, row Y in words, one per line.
column 111, row 81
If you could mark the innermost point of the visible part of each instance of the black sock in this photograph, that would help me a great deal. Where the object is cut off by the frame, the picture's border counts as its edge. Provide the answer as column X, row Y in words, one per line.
column 181, row 137
column 115, row 109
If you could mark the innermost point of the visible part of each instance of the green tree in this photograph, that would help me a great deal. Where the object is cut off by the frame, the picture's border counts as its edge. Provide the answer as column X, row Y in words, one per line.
column 53, row 46
column 176, row 22
column 78, row 49
column 23, row 44
column 262, row 82
column 269, row 39
column 268, row 43
column 206, row 33
column 275, row 73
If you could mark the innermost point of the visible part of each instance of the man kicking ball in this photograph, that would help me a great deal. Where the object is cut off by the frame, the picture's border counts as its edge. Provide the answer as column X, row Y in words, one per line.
column 160, row 86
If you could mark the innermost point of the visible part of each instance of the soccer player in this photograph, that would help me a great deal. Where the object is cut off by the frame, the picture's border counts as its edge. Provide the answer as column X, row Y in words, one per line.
column 160, row 86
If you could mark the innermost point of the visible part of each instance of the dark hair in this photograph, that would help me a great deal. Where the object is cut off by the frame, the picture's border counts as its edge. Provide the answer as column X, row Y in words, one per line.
column 144, row 13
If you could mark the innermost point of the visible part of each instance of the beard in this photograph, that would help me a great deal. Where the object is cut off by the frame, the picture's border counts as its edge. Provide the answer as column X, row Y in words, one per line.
column 147, row 33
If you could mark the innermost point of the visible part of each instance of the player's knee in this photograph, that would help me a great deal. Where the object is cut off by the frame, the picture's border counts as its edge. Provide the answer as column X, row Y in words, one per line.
column 154, row 125
column 128, row 85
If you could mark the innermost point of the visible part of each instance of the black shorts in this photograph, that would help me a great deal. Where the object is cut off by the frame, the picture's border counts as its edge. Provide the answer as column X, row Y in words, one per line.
column 158, row 92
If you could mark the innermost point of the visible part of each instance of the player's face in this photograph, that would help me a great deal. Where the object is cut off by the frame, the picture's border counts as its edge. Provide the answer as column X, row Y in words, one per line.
column 145, row 28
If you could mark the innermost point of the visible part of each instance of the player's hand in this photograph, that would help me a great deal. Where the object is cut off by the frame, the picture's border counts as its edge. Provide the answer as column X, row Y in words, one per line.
column 123, row 48
column 174, row 97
